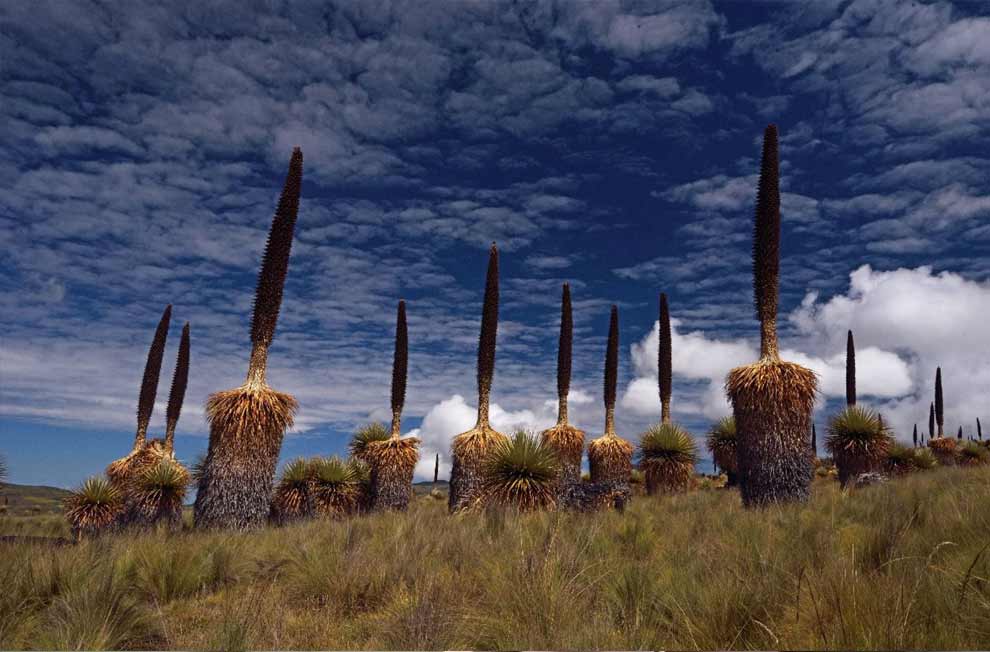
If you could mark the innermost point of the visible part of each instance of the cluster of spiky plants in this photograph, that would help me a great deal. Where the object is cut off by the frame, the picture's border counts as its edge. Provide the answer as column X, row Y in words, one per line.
column 94, row 507
column 902, row 460
column 393, row 460
column 247, row 424
column 667, row 455
column 858, row 441
column 521, row 472
column 721, row 441
column 292, row 497
column 565, row 439
column 609, row 456
column 336, row 487
column 471, row 449
column 945, row 449
column 360, row 444
column 159, row 492
column 973, row 453
column 771, row 400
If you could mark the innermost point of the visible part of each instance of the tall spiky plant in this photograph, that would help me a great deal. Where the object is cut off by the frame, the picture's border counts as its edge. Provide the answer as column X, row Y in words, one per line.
column 664, row 363
column 94, row 508
column 959, row 434
column 393, row 461
column 177, row 394
column 566, row 440
column 721, row 442
column 158, row 494
column 771, row 400
column 850, row 370
column 247, row 424
column 914, row 435
column 858, row 441
column 121, row 471
column 521, row 473
column 931, row 421
column 814, row 441
column 939, row 408
column 471, row 449
column 292, row 499
column 609, row 456
column 979, row 429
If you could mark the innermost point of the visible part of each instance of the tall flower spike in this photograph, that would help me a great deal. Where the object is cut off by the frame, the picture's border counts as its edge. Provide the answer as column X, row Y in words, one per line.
column 931, row 421
column 766, row 245
column 814, row 440
column 914, row 435
column 400, row 367
column 939, row 413
column 611, row 370
column 979, row 429
column 664, row 366
column 178, row 392
column 274, row 267
column 149, row 383
column 486, row 341
column 564, row 353
column 850, row 370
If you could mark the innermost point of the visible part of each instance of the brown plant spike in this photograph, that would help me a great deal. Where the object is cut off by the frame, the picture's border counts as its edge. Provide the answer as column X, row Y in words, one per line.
column 247, row 424
column 470, row 450
column 177, row 394
column 939, row 410
column 766, row 244
column 850, row 370
column 609, row 457
column 149, row 382
column 664, row 364
column 566, row 440
column 400, row 367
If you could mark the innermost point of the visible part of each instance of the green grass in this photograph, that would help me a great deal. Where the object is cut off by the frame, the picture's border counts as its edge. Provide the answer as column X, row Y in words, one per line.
column 901, row 565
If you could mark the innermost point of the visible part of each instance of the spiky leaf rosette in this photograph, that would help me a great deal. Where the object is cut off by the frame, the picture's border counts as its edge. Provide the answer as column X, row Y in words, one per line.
column 123, row 473
column 972, row 453
column 292, row 500
column 336, row 488
column 159, row 492
column 400, row 367
column 664, row 365
column 858, row 441
column 721, row 442
column 766, row 244
column 362, row 475
column 198, row 468
column 246, row 429
column 667, row 454
column 177, row 394
column 850, row 370
column 939, row 411
column 366, row 435
column 392, row 463
column 902, row 460
column 94, row 507
column 521, row 472
column 564, row 346
column 275, row 266
column 149, row 382
column 771, row 403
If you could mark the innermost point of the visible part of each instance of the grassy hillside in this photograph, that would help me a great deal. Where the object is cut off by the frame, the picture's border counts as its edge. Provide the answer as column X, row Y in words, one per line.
column 904, row 565
column 21, row 499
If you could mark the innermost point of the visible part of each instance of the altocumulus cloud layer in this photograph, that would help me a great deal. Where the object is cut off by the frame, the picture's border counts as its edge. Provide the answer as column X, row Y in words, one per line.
column 610, row 144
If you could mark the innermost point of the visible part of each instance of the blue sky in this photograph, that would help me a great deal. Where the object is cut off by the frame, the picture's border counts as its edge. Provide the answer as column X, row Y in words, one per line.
column 611, row 144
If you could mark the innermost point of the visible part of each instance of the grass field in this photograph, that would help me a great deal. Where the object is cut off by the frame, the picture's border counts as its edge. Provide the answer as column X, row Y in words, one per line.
column 902, row 565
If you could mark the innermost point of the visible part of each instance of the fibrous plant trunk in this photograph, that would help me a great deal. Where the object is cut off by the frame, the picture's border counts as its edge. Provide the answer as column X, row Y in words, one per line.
column 771, row 400
column 564, row 439
column 470, row 450
column 247, row 424
column 609, row 456
column 393, row 461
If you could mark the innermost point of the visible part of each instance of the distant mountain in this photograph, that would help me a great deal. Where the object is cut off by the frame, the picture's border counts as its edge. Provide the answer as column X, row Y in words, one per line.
column 23, row 499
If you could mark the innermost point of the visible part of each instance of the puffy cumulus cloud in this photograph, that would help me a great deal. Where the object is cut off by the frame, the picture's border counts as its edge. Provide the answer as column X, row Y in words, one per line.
column 930, row 320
